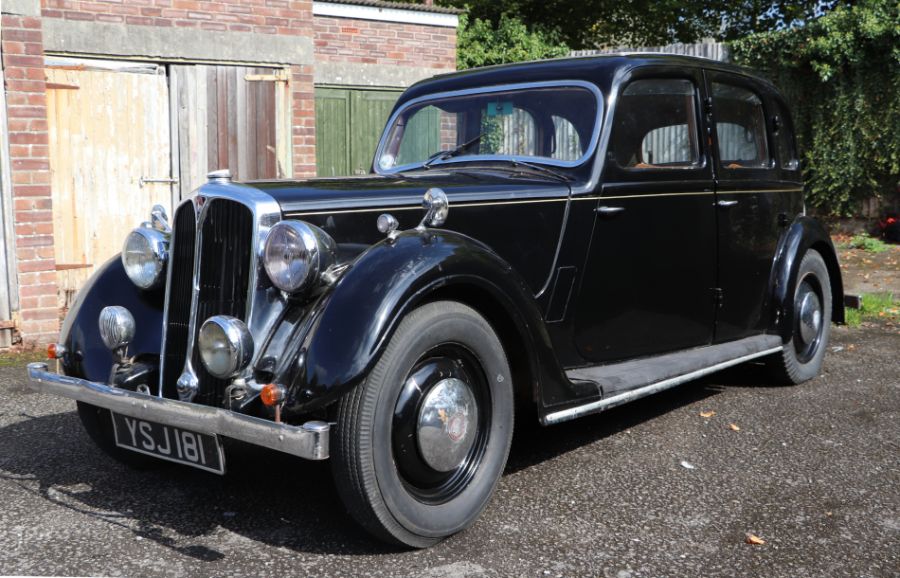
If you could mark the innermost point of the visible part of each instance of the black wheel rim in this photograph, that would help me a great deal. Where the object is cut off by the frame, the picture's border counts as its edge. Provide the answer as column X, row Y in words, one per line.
column 809, row 318
column 436, row 367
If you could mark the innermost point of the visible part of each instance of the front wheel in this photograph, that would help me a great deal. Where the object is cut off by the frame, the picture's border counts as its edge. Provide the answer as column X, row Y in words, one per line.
column 801, row 358
column 421, row 444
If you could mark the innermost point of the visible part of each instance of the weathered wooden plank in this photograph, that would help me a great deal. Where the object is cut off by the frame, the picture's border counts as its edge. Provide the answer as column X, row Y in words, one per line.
column 249, row 131
column 267, row 122
column 183, row 77
column 175, row 81
column 212, row 117
column 200, row 161
column 231, row 117
column 283, row 130
column 246, row 170
column 103, row 139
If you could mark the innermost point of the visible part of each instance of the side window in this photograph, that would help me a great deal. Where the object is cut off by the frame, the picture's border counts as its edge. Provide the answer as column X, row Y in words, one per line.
column 655, row 126
column 784, row 139
column 740, row 127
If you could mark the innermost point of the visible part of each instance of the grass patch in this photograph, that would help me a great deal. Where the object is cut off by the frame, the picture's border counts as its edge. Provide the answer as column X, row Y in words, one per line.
column 867, row 244
column 21, row 358
column 875, row 306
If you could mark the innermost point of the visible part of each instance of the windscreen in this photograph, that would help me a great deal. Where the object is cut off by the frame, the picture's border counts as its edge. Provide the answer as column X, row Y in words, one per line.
column 556, row 125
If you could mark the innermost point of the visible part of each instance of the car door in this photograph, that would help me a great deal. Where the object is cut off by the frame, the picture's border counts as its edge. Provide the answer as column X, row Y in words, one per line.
column 649, row 275
column 749, row 194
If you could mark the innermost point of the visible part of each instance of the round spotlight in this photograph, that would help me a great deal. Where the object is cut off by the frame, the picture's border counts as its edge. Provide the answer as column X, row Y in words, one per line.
column 116, row 327
column 226, row 346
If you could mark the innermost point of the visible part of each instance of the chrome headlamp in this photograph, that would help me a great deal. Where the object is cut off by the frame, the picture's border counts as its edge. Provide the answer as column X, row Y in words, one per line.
column 144, row 257
column 296, row 254
column 226, row 346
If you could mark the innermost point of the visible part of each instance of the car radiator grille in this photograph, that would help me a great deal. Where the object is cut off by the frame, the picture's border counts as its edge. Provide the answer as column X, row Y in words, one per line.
column 223, row 278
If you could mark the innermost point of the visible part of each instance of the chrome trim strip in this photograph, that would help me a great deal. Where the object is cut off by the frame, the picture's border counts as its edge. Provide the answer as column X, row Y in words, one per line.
column 418, row 207
column 627, row 396
column 310, row 440
column 455, row 196
column 462, row 205
column 751, row 191
column 652, row 195
column 595, row 135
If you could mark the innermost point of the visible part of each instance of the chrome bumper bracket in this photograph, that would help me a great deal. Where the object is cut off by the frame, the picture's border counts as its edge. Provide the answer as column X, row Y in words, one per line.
column 310, row 440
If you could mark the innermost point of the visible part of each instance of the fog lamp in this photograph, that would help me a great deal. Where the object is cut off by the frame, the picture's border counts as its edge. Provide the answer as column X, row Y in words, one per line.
column 226, row 346
column 116, row 328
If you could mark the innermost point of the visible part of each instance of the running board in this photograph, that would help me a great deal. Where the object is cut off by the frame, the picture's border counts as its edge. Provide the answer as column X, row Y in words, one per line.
column 631, row 380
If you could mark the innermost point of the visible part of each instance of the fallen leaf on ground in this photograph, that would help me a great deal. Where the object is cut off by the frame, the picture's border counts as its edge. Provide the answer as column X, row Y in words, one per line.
column 851, row 346
column 733, row 427
column 755, row 540
column 707, row 413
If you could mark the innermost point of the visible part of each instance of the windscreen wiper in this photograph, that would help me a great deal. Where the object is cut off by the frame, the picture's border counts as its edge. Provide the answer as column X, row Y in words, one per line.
column 444, row 155
column 541, row 169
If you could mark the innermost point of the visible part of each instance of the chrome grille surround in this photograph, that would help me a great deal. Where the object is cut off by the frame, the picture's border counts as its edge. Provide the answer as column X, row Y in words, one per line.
column 264, row 303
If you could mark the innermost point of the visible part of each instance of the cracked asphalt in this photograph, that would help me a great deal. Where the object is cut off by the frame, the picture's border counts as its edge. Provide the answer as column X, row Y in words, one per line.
column 813, row 470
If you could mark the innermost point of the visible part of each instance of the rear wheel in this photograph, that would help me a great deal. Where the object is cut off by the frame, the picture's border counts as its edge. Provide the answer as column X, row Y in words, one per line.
column 421, row 444
column 97, row 422
column 801, row 358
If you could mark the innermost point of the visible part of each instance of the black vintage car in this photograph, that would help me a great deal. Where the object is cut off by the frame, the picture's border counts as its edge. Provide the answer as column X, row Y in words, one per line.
column 568, row 235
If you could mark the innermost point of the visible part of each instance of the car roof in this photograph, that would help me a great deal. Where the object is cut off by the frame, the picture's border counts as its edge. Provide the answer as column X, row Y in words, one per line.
column 598, row 69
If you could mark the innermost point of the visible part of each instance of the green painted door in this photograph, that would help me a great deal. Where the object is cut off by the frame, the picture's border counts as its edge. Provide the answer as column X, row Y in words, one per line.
column 332, row 132
column 348, row 125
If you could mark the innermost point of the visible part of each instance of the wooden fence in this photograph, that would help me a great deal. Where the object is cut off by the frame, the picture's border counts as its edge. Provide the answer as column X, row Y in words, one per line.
column 711, row 50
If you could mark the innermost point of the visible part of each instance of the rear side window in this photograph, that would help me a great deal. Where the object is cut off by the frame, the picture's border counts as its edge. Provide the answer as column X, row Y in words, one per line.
column 740, row 127
column 784, row 138
column 656, row 126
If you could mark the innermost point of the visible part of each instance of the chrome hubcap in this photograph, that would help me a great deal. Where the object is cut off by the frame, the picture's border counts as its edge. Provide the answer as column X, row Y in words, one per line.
column 447, row 424
column 810, row 316
column 441, row 423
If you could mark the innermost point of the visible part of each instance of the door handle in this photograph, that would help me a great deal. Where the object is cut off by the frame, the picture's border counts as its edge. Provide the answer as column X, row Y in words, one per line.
column 726, row 204
column 609, row 210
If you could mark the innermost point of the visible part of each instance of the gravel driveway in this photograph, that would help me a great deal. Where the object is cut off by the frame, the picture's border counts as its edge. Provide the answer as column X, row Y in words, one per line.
column 649, row 489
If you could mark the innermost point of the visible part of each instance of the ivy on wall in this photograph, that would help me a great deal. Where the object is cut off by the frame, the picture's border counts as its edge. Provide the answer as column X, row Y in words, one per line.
column 841, row 74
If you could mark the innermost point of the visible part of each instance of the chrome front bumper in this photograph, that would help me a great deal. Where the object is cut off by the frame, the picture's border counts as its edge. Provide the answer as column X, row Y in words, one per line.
column 309, row 440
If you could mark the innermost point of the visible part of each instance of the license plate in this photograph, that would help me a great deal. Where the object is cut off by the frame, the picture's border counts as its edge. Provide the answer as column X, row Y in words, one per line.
column 169, row 443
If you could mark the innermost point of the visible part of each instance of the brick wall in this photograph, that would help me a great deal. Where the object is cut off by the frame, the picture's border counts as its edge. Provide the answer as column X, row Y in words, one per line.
column 303, row 123
column 388, row 43
column 261, row 16
column 26, row 101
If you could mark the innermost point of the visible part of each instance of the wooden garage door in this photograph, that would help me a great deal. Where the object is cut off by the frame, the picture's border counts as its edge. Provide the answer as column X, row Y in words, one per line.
column 230, row 117
column 108, row 129
column 348, row 125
